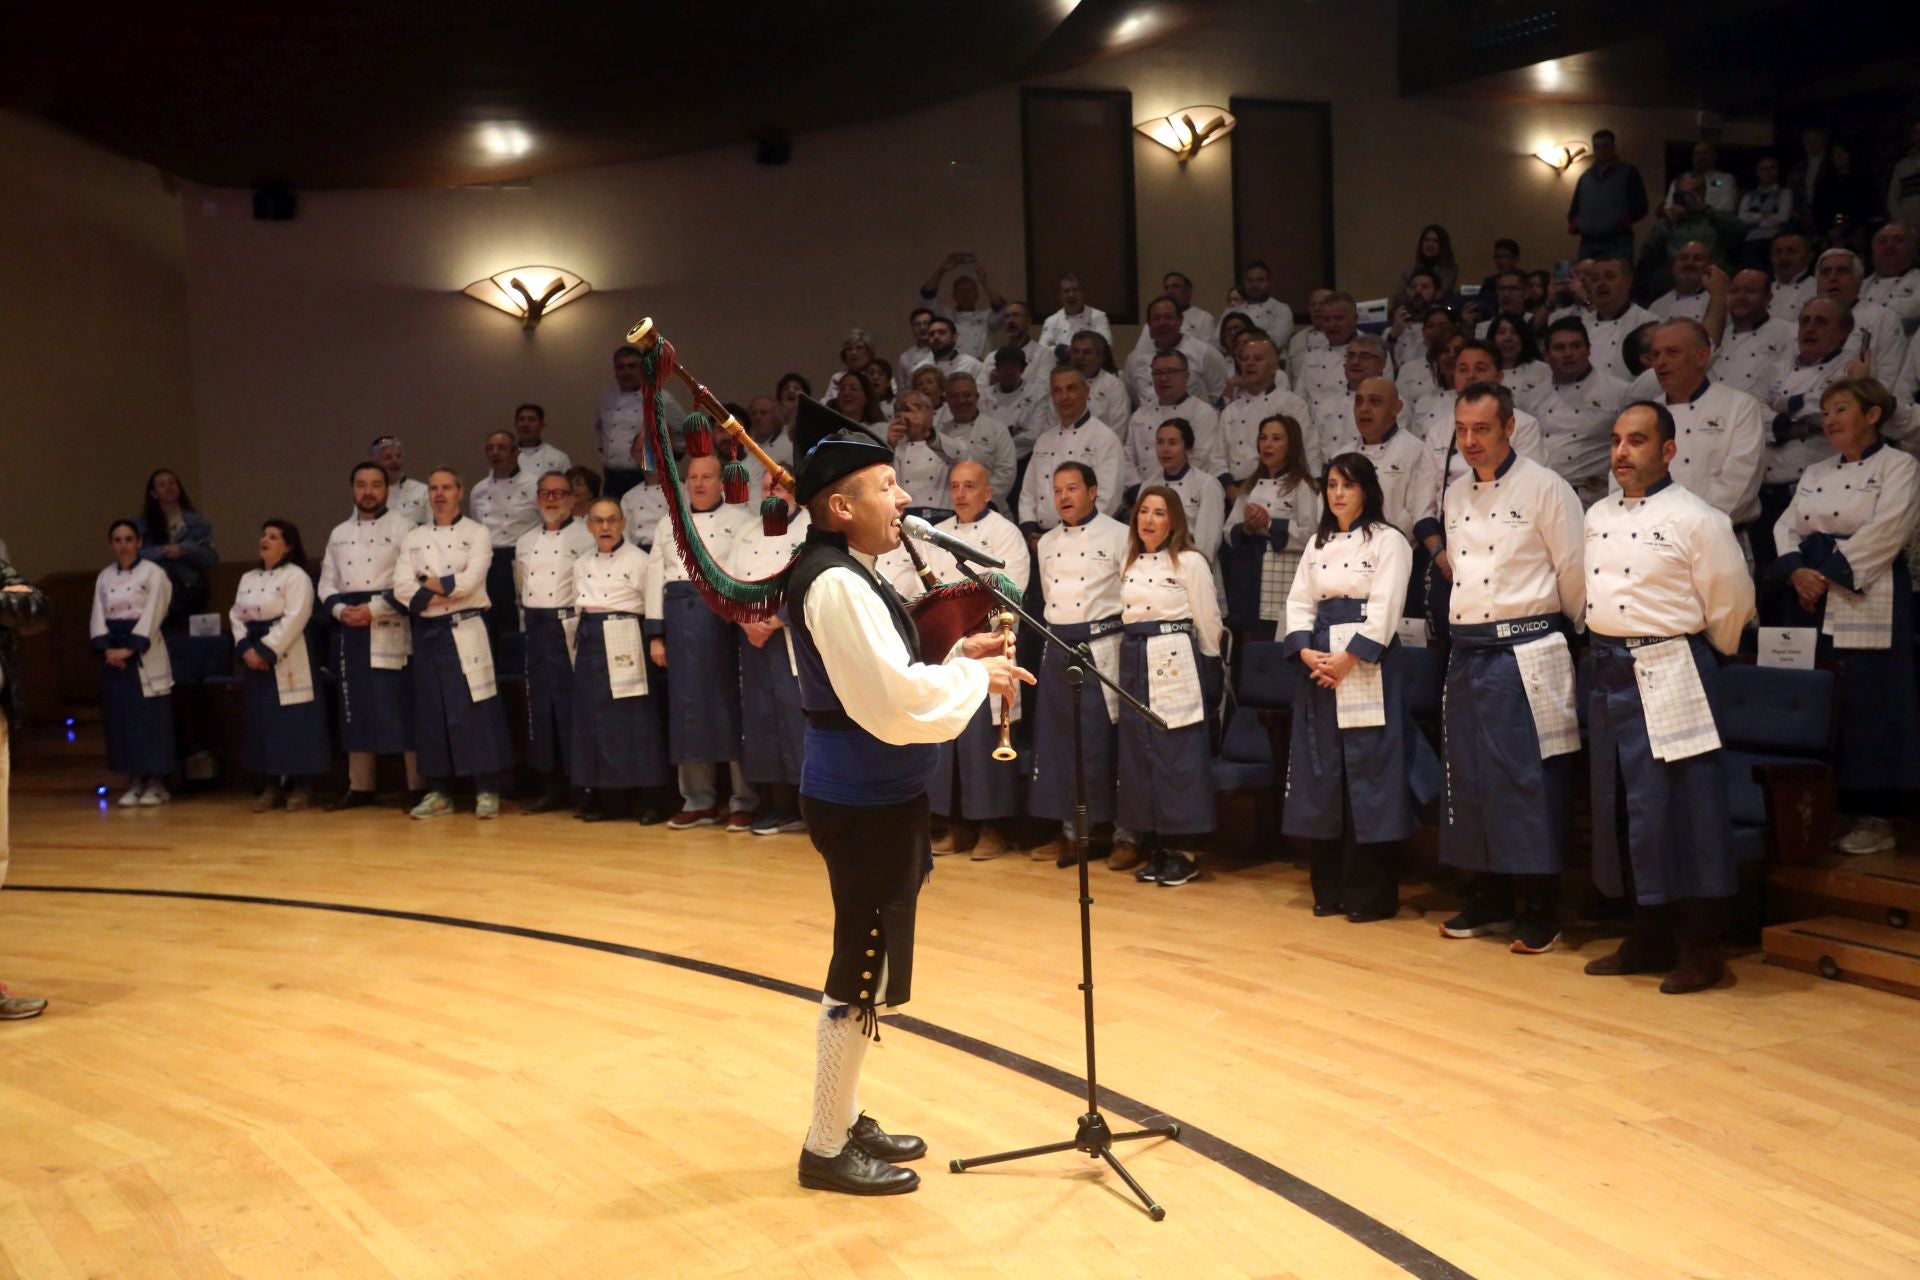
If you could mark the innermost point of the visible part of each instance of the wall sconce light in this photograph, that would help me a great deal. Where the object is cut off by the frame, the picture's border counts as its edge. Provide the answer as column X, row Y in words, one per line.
column 529, row 292
column 1559, row 156
column 1185, row 131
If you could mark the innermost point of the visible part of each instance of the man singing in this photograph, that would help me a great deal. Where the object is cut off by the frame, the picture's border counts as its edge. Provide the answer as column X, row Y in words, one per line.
column 876, row 714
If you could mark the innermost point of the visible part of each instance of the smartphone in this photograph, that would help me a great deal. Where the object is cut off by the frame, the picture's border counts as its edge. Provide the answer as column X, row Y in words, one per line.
column 1563, row 269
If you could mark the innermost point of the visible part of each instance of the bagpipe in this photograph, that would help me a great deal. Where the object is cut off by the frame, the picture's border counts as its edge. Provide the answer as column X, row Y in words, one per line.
column 942, row 616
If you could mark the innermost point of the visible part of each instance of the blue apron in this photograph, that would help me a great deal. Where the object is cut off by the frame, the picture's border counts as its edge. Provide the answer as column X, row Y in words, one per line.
column 376, row 707
column 549, row 690
column 775, row 730
column 703, row 695
column 617, row 743
column 1678, row 833
column 455, row 736
column 1389, row 769
column 969, row 783
column 1166, row 775
column 1506, row 808
column 503, row 605
column 139, row 728
column 283, row 741
column 1050, row 793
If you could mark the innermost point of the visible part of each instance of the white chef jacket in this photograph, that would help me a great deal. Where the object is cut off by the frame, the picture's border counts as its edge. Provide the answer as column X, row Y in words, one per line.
column 142, row 593
column 1409, row 479
column 1898, row 294
column 1273, row 318
column 717, row 529
column 461, row 551
column 282, row 595
column 621, row 418
column 1090, row 441
column 1889, row 339
column 1109, row 400
column 1208, row 453
column 1323, row 370
column 971, row 329
column 1869, row 507
column 1372, row 565
column 1667, row 564
column 1206, row 369
column 644, row 506
column 987, row 441
column 1722, row 436
column 993, row 533
column 1203, row 501
column 611, row 581
column 1516, row 545
column 1799, row 390
column 1160, row 587
column 1240, row 427
column 1790, row 297
column 1607, row 335
column 508, row 506
column 1576, row 427
column 360, row 556
column 1080, row 569
column 543, row 458
column 543, row 564
column 1671, row 305
column 1060, row 327
column 1754, row 359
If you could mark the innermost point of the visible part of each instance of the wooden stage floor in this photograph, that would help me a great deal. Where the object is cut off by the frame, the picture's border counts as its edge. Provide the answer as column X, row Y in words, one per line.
column 262, row 1089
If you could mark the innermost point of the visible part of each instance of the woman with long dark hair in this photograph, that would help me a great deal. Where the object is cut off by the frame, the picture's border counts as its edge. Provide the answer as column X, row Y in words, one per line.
column 1433, row 251
column 175, row 536
column 286, row 723
column 130, row 597
column 1169, row 646
column 1356, row 759
column 1268, row 528
column 1522, row 371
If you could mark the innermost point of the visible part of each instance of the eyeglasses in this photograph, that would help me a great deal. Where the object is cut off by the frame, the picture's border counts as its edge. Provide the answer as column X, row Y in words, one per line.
column 555, row 493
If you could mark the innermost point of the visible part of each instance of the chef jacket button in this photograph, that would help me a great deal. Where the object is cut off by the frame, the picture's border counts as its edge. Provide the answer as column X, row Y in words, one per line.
column 869, row 954
column 867, row 976
column 866, row 995
column 873, row 933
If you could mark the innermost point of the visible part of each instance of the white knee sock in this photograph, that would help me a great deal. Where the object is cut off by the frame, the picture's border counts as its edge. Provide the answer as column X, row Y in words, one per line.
column 841, row 1048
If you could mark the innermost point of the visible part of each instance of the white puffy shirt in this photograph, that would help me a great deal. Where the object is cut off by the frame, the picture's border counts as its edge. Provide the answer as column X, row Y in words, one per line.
column 612, row 581
column 1516, row 544
column 1060, row 327
column 141, row 594
column 543, row 564
column 1080, row 569
column 462, row 551
column 1576, row 424
column 1753, row 361
column 360, row 556
column 1666, row 565
column 1159, row 587
column 282, row 595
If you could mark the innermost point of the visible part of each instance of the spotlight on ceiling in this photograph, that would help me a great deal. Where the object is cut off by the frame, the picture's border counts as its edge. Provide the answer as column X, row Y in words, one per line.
column 1185, row 131
column 529, row 292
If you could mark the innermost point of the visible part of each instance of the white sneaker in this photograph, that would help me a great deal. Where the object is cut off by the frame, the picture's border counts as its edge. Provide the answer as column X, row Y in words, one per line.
column 432, row 805
column 1869, row 835
column 156, row 793
column 486, row 805
column 131, row 798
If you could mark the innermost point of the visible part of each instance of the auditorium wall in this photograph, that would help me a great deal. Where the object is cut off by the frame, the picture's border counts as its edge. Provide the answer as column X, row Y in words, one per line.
column 310, row 337
column 95, row 378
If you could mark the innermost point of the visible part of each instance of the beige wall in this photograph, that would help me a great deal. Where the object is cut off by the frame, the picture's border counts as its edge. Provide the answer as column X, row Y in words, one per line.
column 308, row 338
column 95, row 381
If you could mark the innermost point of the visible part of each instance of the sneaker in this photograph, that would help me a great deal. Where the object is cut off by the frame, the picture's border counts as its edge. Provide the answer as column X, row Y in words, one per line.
column 1150, row 870
column 1476, row 922
column 156, row 793
column 1869, row 835
column 269, row 797
column 130, row 797
column 739, row 824
column 1177, row 869
column 16, row 1008
column 687, row 819
column 432, row 805
column 766, row 825
column 990, row 844
column 1534, row 938
column 486, row 805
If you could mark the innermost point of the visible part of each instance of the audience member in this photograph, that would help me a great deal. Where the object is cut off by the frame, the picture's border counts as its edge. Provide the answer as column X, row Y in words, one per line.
column 1903, row 185
column 1687, row 300
column 1522, row 372
column 1011, row 397
column 1791, row 259
column 1162, row 335
column 175, row 536
column 1720, row 433
column 1432, row 256
column 1614, row 315
column 1166, row 397
column 1333, row 426
column 1766, row 211
column 405, row 495
column 537, row 457
column 947, row 357
column 1092, row 355
column 919, row 353
column 1895, row 282
column 1577, row 413
column 1755, row 347
column 1324, row 369
column 549, row 608
column 504, row 500
column 642, row 506
column 1609, row 198
column 972, row 323
column 1266, row 396
column 1717, row 188
column 585, row 482
column 1073, row 317
column 1878, row 336
column 130, row 599
column 1406, row 330
column 922, row 456
column 23, row 609
column 977, row 437
column 1406, row 468
column 1075, row 435
column 1262, row 310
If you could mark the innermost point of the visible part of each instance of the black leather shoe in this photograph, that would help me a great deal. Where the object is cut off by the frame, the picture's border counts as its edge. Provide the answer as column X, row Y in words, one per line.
column 601, row 815
column 350, row 800
column 549, row 802
column 653, row 817
column 1328, row 909
column 893, row 1148
column 1370, row 917
column 855, row 1173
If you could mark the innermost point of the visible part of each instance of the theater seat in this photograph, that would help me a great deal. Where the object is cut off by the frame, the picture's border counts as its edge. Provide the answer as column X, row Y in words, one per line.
column 1245, row 762
column 1777, row 736
column 1267, row 676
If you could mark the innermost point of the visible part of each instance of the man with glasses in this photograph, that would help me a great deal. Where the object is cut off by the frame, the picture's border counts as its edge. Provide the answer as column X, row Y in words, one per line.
column 543, row 574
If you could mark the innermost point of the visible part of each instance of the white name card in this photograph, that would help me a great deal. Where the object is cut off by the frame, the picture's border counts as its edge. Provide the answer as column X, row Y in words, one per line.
column 205, row 624
column 1413, row 632
column 1788, row 647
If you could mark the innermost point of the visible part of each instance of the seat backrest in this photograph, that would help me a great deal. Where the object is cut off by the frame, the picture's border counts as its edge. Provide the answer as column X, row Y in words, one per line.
column 1426, row 679
column 1776, row 709
column 1267, row 676
column 1245, row 741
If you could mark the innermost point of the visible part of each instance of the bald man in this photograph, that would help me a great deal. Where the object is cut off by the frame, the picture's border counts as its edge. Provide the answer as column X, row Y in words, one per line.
column 1409, row 474
column 1895, row 282
column 1720, row 434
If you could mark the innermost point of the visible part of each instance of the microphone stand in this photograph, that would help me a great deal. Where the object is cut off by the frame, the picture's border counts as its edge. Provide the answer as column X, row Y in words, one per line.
column 1091, row 1135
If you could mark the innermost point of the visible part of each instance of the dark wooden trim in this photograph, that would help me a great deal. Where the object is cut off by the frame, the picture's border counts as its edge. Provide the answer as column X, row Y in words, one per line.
column 1325, row 111
column 1127, row 309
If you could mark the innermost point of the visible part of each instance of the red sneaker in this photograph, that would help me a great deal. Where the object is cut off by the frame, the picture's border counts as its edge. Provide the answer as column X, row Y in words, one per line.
column 687, row 819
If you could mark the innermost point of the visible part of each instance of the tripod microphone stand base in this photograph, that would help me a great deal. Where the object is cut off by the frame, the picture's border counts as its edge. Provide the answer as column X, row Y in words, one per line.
column 1095, row 1139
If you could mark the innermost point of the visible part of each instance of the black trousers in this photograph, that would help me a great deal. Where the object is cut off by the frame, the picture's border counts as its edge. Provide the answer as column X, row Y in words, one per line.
column 1350, row 876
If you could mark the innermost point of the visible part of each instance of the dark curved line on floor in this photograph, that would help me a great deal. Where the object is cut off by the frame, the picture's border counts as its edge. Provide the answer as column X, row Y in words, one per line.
column 1357, row 1225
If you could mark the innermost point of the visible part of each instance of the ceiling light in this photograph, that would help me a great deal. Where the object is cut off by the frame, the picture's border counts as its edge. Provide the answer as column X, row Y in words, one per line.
column 1132, row 27
column 1185, row 131
column 1548, row 75
column 529, row 292
column 1559, row 156
column 505, row 141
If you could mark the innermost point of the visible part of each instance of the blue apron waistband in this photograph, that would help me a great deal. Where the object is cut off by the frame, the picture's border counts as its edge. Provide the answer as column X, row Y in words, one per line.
column 260, row 627
column 1078, row 631
column 675, row 590
column 447, row 620
column 510, row 551
column 355, row 597
column 1626, row 644
column 604, row 614
column 541, row 613
column 1337, row 609
column 1507, row 633
column 1164, row 627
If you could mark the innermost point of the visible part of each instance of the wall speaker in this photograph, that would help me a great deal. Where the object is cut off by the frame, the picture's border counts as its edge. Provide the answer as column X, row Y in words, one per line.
column 772, row 147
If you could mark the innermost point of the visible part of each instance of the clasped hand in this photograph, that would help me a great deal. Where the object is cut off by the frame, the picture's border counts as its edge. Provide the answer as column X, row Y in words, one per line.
column 1327, row 669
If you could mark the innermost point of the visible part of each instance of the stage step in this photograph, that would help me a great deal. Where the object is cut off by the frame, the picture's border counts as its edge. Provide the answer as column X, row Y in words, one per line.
column 1848, row 950
column 1881, row 888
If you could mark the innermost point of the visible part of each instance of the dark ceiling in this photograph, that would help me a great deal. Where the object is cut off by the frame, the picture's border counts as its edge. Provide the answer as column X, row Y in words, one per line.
column 436, row 93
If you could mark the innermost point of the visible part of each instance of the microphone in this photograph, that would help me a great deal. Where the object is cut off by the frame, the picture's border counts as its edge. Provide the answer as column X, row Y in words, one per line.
column 919, row 530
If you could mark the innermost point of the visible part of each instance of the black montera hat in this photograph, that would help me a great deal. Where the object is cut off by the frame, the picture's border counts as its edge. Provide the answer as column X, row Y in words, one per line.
column 830, row 446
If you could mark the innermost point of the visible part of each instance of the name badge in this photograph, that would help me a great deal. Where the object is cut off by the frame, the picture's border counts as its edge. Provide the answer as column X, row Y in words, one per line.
column 1412, row 632
column 205, row 624
column 1789, row 647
